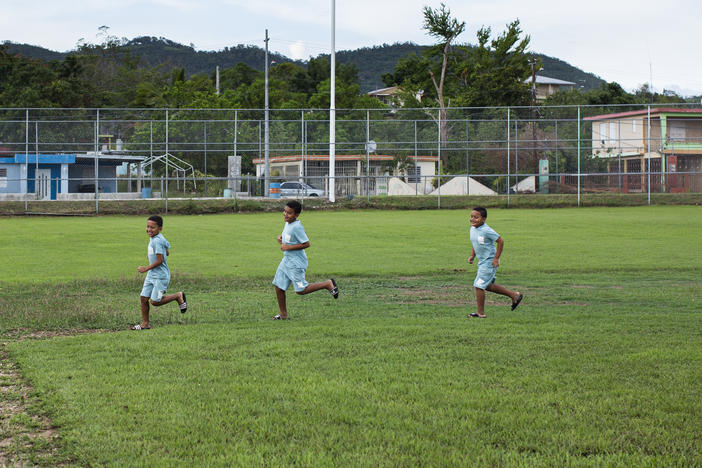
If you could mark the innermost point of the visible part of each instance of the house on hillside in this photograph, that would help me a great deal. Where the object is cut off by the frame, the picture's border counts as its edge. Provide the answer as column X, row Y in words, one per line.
column 546, row 86
column 350, row 171
column 664, row 141
column 391, row 96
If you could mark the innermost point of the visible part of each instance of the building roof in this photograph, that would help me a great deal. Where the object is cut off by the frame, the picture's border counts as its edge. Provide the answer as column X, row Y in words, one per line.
column 340, row 157
column 391, row 91
column 656, row 111
column 31, row 158
column 546, row 80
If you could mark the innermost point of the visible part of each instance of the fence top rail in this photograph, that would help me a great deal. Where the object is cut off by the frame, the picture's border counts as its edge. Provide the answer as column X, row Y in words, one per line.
column 385, row 109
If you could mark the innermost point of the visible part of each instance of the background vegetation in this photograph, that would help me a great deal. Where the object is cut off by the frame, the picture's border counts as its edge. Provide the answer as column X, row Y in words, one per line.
column 156, row 72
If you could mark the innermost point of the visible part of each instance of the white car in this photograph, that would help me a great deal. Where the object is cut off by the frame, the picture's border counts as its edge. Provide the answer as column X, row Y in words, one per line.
column 299, row 189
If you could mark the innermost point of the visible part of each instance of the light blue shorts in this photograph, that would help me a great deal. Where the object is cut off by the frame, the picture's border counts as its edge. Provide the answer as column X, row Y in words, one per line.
column 286, row 274
column 487, row 274
column 155, row 288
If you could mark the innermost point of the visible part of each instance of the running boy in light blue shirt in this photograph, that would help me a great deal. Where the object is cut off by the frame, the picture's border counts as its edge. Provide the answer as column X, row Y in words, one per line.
column 483, row 238
column 158, row 275
column 293, row 242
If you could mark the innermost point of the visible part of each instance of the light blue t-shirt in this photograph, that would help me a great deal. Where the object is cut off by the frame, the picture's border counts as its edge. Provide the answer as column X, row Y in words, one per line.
column 294, row 233
column 483, row 239
column 158, row 245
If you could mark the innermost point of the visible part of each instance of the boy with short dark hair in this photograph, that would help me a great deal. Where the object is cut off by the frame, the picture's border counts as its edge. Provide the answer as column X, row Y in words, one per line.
column 483, row 239
column 293, row 242
column 158, row 275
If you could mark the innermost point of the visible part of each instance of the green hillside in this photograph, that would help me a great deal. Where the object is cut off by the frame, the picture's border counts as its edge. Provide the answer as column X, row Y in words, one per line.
column 371, row 62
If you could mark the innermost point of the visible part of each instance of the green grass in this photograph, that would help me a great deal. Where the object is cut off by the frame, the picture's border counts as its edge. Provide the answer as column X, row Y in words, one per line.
column 600, row 366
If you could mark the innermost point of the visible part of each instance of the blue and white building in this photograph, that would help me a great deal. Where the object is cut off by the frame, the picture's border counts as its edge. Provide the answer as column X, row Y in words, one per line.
column 58, row 176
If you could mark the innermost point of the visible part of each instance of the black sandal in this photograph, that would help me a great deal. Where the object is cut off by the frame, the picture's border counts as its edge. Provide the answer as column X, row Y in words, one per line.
column 335, row 290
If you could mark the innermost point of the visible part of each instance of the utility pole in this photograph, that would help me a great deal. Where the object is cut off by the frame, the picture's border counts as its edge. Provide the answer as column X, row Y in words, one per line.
column 266, row 148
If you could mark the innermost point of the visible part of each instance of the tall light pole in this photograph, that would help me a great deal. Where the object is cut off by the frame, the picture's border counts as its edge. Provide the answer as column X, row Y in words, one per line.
column 533, row 114
column 266, row 170
column 332, row 107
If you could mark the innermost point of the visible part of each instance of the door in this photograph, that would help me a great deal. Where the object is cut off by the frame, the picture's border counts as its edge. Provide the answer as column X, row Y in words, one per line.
column 43, row 184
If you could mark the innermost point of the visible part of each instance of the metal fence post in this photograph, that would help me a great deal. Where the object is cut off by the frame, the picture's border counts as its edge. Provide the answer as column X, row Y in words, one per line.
column 508, row 150
column 367, row 145
column 578, row 155
column 36, row 155
column 97, row 166
column 467, row 162
column 648, row 161
column 166, row 188
column 26, row 161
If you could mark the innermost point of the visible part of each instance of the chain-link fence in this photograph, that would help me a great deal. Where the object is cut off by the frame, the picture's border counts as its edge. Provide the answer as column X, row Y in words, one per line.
column 126, row 154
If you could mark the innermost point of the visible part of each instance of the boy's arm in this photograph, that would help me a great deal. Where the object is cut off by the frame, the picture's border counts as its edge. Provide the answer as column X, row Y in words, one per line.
column 500, row 245
column 159, row 260
column 302, row 246
column 472, row 256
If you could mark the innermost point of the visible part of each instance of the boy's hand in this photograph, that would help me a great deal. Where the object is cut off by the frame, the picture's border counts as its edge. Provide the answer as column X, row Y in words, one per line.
column 142, row 269
column 470, row 259
column 280, row 239
column 495, row 262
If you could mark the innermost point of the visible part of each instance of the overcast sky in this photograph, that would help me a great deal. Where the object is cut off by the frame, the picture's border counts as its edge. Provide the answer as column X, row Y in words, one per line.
column 630, row 42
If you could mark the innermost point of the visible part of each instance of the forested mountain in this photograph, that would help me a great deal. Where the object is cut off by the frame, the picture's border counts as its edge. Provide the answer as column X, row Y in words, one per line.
column 371, row 62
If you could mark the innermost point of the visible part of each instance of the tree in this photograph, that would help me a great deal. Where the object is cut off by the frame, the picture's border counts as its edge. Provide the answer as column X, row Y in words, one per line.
column 493, row 72
column 440, row 24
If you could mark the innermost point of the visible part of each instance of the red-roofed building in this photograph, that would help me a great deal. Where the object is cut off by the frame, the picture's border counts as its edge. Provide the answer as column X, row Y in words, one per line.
column 350, row 171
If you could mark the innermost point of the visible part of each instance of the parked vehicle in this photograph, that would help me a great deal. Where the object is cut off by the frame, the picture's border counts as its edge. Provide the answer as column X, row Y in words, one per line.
column 299, row 189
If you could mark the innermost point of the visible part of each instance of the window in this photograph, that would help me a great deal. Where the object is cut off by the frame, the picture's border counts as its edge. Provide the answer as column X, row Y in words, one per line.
column 3, row 172
column 677, row 130
column 612, row 133
column 3, row 177
column 633, row 125
column 414, row 174
column 603, row 133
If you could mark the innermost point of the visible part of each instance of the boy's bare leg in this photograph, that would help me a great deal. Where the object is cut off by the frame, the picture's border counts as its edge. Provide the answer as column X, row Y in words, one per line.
column 496, row 288
column 312, row 287
column 144, row 312
column 170, row 298
column 282, row 302
column 480, row 300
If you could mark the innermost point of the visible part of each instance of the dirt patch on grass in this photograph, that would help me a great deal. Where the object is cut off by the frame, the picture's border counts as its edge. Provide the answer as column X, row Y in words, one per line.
column 451, row 296
column 28, row 438
column 20, row 334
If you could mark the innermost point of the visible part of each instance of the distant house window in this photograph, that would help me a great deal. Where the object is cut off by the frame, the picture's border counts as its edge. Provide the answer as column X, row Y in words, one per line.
column 3, row 172
column 414, row 174
column 633, row 126
column 603, row 133
column 3, row 177
column 677, row 130
column 612, row 132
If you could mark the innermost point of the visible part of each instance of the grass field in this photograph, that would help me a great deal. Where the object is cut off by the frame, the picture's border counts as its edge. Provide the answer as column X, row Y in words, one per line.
column 600, row 366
